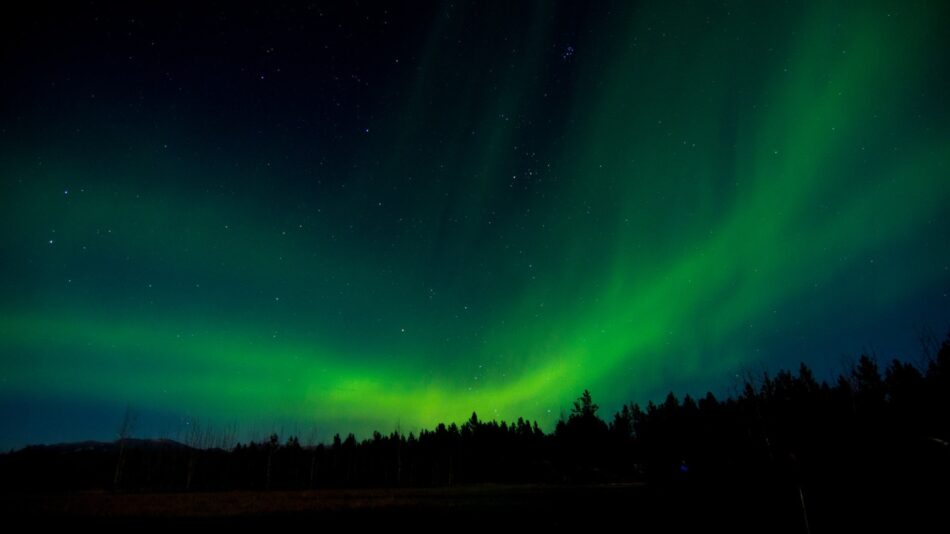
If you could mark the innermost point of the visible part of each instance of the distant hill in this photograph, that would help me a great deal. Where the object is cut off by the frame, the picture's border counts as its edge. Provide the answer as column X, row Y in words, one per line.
column 108, row 446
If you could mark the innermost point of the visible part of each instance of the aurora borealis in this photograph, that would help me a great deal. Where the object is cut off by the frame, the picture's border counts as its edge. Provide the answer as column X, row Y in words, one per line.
column 351, row 217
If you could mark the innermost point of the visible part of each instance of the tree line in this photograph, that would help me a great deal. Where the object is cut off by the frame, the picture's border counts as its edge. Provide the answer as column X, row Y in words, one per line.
column 784, row 432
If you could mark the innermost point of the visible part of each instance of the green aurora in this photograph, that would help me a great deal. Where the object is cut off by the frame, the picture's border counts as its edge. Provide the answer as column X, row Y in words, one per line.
column 525, row 202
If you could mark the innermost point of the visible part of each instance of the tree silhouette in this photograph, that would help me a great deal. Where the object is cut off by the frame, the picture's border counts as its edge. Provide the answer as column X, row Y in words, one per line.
column 856, row 437
column 584, row 407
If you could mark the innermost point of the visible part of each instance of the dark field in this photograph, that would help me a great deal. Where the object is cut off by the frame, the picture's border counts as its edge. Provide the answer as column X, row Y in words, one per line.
column 638, row 506
column 489, row 497
column 475, row 505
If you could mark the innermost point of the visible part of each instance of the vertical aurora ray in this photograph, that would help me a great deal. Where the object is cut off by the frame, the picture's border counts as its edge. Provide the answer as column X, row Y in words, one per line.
column 531, row 201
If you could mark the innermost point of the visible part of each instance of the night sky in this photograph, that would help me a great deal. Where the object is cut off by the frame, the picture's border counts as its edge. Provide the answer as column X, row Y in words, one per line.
column 358, row 216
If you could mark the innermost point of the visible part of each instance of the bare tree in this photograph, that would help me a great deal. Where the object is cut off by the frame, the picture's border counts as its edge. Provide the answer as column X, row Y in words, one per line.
column 312, row 451
column 197, row 439
column 126, row 428
column 272, row 445
column 929, row 347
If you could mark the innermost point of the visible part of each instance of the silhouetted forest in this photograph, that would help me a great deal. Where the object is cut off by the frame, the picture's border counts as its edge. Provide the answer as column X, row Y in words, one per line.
column 873, row 437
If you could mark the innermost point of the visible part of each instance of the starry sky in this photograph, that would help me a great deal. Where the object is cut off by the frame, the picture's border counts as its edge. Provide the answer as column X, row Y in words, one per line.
column 356, row 216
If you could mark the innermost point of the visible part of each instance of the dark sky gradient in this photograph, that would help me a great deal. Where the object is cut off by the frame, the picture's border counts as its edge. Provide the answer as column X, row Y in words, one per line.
column 358, row 216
